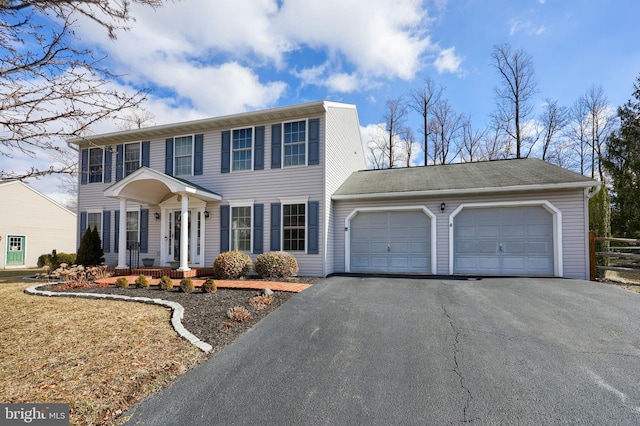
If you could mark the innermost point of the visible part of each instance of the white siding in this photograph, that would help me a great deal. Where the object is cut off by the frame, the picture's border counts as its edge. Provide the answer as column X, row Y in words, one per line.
column 45, row 224
column 570, row 203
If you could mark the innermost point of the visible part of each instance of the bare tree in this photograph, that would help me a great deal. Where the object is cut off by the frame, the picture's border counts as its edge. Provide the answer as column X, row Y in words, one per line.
column 422, row 101
column 552, row 120
column 136, row 119
column 600, row 121
column 407, row 142
column 576, row 131
column 395, row 115
column 50, row 89
column 471, row 149
column 446, row 132
column 514, row 92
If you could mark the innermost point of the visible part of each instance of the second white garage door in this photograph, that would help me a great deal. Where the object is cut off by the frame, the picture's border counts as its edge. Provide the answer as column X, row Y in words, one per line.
column 391, row 241
column 504, row 241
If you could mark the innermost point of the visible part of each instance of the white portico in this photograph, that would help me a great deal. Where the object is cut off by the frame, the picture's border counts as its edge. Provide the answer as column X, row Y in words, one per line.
column 180, row 201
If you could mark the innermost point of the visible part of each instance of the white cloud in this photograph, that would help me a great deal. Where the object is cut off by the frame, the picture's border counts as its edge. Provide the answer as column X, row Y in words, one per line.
column 448, row 61
column 526, row 27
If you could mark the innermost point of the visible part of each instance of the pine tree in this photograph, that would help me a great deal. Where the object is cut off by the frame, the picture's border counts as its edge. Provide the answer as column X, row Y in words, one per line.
column 622, row 163
column 90, row 252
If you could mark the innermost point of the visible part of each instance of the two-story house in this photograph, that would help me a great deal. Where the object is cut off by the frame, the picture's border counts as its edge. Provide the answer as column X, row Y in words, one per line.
column 293, row 178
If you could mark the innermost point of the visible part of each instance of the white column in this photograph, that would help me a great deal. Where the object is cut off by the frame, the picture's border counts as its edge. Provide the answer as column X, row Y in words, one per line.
column 184, row 235
column 122, row 236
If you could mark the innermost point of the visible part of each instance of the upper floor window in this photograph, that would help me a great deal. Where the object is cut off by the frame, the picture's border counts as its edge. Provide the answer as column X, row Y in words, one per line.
column 295, row 143
column 131, row 157
column 293, row 227
column 95, row 165
column 242, row 149
column 183, row 155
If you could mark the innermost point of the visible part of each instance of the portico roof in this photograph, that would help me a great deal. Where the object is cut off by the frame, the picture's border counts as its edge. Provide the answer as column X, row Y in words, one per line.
column 151, row 187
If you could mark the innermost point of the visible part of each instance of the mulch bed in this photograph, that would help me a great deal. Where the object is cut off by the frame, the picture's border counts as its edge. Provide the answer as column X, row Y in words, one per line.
column 205, row 314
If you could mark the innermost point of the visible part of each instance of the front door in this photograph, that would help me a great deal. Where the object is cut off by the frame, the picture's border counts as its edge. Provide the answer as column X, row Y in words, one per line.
column 194, row 233
column 15, row 250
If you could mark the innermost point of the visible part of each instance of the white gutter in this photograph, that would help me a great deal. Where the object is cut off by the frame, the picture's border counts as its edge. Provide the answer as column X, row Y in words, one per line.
column 464, row 191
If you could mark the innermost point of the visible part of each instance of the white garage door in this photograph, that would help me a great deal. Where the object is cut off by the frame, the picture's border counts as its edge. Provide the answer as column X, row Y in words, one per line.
column 503, row 241
column 394, row 241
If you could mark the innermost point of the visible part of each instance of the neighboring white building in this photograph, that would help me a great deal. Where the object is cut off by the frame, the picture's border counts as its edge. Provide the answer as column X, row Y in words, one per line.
column 291, row 178
column 31, row 224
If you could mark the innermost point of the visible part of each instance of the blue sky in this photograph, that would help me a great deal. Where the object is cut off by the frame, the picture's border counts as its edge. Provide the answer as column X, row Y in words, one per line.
column 203, row 58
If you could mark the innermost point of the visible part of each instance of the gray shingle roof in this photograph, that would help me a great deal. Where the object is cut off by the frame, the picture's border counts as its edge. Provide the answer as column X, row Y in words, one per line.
column 489, row 176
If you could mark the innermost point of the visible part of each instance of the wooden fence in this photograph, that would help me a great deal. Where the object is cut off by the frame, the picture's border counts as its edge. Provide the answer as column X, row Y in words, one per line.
column 613, row 254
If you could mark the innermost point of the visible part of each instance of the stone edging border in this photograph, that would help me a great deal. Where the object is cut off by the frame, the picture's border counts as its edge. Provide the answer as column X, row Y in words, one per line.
column 176, row 308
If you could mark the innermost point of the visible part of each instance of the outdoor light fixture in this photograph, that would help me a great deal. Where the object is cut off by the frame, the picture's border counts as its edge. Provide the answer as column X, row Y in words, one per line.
column 442, row 207
column 206, row 214
column 157, row 215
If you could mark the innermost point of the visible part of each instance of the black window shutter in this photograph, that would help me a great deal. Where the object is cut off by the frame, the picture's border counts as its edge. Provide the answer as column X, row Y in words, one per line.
column 258, row 228
column 119, row 162
column 258, row 152
column 116, row 230
column 276, row 147
column 84, row 167
column 313, row 225
column 314, row 141
column 106, row 231
column 198, row 153
column 146, row 147
column 226, row 152
column 83, row 224
column 224, row 229
column 107, row 165
column 275, row 226
column 168, row 156
column 144, row 230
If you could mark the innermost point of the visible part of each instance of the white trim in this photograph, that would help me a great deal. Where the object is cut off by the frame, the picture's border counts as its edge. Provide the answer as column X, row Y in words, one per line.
column 89, row 164
column 556, row 214
column 484, row 190
column 193, row 155
column 295, row 201
column 239, row 205
column 253, row 148
column 94, row 211
column 423, row 209
column 196, row 206
column 124, row 157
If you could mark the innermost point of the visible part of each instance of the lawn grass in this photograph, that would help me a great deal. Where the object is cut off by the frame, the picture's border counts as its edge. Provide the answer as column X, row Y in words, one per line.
column 99, row 356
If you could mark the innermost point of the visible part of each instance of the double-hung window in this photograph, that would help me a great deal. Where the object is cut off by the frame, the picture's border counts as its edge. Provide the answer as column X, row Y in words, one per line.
column 295, row 143
column 242, row 149
column 293, row 227
column 94, row 220
column 183, row 156
column 95, row 165
column 241, row 228
column 133, row 230
column 131, row 157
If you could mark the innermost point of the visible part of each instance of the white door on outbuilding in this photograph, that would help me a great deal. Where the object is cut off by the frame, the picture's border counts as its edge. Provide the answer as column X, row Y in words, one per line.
column 504, row 241
column 390, row 241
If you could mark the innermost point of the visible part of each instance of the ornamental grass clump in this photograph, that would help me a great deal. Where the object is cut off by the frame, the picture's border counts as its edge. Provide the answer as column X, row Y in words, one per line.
column 238, row 314
column 122, row 283
column 209, row 286
column 142, row 282
column 165, row 283
column 186, row 285
column 261, row 302
column 232, row 264
column 276, row 264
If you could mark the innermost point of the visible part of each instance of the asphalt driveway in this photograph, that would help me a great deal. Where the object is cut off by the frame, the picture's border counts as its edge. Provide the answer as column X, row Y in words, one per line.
column 379, row 351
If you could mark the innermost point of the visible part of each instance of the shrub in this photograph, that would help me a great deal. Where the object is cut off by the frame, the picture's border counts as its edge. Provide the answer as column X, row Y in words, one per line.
column 238, row 314
column 53, row 260
column 276, row 264
column 142, row 282
column 165, row 283
column 90, row 252
column 186, row 285
column 232, row 264
column 260, row 302
column 122, row 283
column 209, row 286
